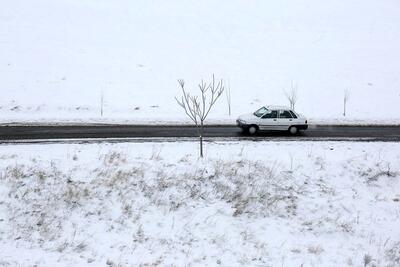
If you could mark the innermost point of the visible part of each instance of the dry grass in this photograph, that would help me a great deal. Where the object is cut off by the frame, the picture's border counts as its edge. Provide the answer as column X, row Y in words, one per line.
column 48, row 196
column 119, row 192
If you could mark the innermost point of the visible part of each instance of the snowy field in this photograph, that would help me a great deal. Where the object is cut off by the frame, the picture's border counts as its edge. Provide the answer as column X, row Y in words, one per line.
column 57, row 57
column 157, row 204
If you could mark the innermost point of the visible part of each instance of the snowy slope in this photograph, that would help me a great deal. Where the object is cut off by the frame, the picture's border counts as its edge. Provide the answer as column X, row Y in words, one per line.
column 157, row 204
column 57, row 56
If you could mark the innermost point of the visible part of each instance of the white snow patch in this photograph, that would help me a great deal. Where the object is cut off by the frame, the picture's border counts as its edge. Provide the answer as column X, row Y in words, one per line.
column 245, row 204
column 58, row 56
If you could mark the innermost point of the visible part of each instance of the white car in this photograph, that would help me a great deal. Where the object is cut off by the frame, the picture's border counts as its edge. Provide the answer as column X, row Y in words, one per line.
column 272, row 118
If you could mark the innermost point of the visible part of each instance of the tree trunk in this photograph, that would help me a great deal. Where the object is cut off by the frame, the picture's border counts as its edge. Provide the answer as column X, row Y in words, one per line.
column 101, row 103
column 201, row 146
column 201, row 139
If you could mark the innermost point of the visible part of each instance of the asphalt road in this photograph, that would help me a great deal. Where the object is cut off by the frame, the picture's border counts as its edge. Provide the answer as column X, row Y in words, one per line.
column 315, row 132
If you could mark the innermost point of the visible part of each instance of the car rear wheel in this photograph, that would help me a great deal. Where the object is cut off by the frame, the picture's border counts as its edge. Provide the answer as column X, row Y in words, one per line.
column 252, row 130
column 293, row 130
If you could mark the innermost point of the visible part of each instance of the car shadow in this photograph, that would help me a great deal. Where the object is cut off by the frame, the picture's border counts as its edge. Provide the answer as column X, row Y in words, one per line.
column 273, row 134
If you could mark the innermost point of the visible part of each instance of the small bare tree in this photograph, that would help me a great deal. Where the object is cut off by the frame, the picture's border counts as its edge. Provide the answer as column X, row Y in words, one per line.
column 345, row 100
column 102, row 103
column 197, row 108
column 228, row 97
column 291, row 96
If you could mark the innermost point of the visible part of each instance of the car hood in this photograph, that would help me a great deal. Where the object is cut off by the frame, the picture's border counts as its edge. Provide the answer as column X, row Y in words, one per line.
column 248, row 116
column 301, row 116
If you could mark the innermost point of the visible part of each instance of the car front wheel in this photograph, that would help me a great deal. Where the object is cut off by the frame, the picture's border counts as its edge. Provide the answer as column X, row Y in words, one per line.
column 252, row 130
column 293, row 130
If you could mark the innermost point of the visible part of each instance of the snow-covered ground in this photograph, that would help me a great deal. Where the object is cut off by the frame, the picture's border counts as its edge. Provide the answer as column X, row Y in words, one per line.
column 56, row 57
column 157, row 204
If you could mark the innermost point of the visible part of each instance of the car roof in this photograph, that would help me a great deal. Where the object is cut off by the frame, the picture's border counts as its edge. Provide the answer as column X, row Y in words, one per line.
column 277, row 107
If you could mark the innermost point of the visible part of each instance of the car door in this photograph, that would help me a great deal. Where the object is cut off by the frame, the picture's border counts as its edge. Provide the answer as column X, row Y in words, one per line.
column 269, row 121
column 285, row 119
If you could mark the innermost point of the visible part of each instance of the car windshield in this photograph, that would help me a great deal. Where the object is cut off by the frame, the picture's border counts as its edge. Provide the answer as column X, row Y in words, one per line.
column 260, row 112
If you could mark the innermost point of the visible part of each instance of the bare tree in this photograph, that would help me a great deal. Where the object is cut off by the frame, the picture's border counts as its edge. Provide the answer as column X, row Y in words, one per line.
column 345, row 100
column 292, row 95
column 228, row 97
column 197, row 108
column 102, row 103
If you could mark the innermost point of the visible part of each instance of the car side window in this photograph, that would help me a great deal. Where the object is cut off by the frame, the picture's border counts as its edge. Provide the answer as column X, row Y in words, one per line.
column 285, row 114
column 293, row 114
column 271, row 115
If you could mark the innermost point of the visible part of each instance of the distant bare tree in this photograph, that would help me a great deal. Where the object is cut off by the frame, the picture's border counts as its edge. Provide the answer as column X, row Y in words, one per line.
column 102, row 103
column 197, row 108
column 345, row 100
column 291, row 96
column 228, row 97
